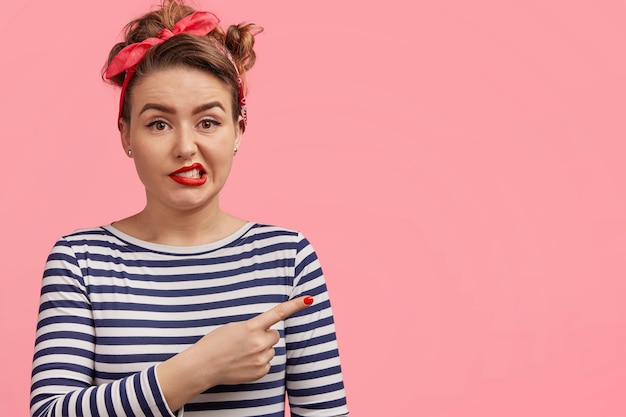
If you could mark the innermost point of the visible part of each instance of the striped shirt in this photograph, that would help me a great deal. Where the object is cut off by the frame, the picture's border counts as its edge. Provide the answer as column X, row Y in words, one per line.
column 113, row 307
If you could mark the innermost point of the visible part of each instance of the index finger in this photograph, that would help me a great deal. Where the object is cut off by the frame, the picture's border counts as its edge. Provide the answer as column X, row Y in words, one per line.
column 280, row 312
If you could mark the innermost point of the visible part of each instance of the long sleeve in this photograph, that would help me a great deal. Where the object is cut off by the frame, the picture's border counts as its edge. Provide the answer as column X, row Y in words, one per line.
column 314, row 381
column 64, row 359
column 113, row 307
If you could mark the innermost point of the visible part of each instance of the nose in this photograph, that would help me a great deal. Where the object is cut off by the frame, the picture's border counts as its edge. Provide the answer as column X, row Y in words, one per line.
column 185, row 146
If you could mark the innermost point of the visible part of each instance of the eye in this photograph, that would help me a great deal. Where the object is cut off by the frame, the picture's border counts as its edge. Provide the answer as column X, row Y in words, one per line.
column 157, row 125
column 208, row 123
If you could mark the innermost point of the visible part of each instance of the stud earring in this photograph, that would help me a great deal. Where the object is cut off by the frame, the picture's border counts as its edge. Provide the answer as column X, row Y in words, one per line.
column 235, row 151
column 129, row 152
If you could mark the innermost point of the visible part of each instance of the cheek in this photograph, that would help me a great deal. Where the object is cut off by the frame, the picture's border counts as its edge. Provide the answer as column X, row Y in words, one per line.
column 146, row 163
column 142, row 170
column 219, row 163
column 217, row 152
column 222, row 166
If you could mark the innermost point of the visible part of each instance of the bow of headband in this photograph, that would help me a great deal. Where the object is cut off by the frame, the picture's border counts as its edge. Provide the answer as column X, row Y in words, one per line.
column 197, row 23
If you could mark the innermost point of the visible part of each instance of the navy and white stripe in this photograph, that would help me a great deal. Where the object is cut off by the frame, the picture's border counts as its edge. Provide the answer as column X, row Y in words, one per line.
column 113, row 307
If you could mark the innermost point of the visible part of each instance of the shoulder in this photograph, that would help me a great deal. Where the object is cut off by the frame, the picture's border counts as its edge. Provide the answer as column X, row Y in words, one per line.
column 86, row 232
column 87, row 237
column 262, row 228
column 278, row 233
column 280, row 238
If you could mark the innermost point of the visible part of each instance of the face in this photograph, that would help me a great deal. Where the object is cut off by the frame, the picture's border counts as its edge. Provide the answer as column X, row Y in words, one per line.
column 182, row 136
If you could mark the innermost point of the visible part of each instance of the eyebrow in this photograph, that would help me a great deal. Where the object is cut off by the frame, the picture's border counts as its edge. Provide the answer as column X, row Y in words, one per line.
column 208, row 106
column 171, row 110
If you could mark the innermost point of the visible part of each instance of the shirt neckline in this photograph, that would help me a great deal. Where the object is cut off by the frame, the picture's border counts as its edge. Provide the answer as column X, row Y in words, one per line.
column 157, row 247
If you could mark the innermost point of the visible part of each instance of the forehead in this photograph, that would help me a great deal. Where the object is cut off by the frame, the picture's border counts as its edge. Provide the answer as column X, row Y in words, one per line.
column 180, row 88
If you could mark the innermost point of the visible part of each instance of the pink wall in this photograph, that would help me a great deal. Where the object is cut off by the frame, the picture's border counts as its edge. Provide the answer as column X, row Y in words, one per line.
column 459, row 165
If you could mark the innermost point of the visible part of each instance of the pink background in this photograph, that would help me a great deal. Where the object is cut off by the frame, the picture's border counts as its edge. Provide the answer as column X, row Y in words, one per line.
column 459, row 165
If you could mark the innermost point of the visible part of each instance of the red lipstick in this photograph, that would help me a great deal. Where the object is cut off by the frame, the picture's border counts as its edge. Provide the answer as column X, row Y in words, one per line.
column 196, row 180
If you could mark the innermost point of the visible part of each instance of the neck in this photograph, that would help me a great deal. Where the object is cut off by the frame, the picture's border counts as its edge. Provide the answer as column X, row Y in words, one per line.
column 168, row 226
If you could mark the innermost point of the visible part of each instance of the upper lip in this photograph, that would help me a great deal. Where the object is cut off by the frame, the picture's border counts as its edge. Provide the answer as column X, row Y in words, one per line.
column 197, row 166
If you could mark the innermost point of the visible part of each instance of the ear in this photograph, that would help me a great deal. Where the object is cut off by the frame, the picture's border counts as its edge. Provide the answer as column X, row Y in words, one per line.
column 240, row 127
column 124, row 129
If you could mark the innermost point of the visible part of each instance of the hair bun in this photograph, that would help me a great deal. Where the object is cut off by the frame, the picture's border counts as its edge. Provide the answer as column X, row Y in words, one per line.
column 240, row 43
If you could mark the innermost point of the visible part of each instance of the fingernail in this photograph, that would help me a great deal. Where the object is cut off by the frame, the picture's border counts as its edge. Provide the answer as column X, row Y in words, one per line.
column 308, row 300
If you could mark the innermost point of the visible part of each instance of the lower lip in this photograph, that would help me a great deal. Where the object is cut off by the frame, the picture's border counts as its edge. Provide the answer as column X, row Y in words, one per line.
column 194, row 182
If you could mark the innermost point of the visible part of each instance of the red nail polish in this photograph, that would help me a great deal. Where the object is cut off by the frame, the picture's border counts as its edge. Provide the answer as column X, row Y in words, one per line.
column 308, row 300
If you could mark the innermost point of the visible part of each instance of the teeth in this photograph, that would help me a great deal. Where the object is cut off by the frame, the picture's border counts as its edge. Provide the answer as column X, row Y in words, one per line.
column 194, row 173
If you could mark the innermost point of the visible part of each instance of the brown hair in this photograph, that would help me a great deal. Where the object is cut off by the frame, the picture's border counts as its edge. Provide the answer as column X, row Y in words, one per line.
column 186, row 50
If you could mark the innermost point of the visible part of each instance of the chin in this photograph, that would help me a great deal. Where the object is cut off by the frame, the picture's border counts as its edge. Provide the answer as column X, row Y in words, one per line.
column 187, row 203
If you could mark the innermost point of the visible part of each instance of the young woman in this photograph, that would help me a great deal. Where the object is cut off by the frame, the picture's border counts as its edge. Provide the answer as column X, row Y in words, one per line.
column 183, row 308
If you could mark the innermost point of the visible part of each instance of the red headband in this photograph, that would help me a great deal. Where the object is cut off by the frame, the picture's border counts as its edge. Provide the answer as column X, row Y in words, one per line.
column 197, row 23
